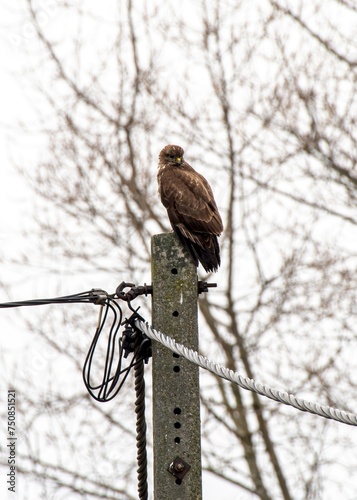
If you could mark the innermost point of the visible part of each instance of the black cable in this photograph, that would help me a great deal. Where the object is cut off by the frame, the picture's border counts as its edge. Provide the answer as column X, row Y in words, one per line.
column 141, row 455
column 114, row 375
column 94, row 296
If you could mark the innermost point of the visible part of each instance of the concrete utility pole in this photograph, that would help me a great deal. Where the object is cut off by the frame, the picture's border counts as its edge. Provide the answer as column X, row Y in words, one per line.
column 176, row 403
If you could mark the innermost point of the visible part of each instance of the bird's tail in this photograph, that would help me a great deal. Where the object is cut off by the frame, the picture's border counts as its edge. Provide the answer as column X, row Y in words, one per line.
column 204, row 249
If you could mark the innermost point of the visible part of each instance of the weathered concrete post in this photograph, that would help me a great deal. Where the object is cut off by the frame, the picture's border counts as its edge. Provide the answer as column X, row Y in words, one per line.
column 176, row 404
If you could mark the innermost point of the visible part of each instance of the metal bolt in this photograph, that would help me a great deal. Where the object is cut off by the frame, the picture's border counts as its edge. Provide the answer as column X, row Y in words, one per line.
column 178, row 468
column 203, row 286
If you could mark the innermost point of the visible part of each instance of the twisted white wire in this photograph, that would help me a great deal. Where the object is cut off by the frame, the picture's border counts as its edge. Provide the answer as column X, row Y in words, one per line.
column 244, row 382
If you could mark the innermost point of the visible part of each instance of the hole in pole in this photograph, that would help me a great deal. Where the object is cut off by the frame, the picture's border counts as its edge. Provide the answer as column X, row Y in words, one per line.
column 176, row 369
column 178, row 481
column 177, row 440
column 174, row 270
column 177, row 411
column 177, row 425
column 175, row 355
column 175, row 313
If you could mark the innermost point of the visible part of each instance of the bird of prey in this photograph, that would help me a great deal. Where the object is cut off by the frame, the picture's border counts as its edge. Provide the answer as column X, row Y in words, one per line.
column 191, row 207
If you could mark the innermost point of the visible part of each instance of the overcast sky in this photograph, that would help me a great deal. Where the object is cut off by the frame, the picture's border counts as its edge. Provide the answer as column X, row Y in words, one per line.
column 17, row 206
column 18, row 202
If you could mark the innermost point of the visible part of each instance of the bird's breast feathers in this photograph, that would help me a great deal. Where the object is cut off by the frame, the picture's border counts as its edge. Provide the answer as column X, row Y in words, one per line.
column 187, row 192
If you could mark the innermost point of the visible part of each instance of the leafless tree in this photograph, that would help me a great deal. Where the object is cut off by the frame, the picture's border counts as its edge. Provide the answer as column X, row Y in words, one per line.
column 262, row 96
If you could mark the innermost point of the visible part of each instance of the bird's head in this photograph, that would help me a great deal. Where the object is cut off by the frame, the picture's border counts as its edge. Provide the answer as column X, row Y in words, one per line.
column 171, row 155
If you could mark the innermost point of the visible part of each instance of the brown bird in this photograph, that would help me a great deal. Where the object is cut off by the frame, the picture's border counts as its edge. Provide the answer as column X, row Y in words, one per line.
column 191, row 207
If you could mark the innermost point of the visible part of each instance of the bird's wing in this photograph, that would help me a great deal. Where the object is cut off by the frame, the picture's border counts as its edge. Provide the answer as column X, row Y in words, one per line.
column 189, row 201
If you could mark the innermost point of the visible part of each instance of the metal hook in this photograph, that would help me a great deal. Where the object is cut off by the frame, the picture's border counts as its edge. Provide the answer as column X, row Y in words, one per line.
column 119, row 291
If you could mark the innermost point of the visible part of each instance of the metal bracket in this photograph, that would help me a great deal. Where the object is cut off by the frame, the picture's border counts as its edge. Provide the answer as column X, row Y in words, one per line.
column 203, row 286
column 133, row 292
column 179, row 468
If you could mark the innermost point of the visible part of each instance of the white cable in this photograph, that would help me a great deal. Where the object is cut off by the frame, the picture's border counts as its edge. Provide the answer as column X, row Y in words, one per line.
column 244, row 382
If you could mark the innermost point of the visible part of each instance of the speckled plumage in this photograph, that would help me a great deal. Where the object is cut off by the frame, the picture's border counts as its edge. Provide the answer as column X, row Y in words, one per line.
column 191, row 207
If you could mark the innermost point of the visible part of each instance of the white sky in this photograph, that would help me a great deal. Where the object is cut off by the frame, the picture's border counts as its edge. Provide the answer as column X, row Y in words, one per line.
column 17, row 202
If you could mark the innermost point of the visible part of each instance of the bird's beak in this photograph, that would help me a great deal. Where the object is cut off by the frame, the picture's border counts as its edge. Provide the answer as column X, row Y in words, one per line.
column 179, row 159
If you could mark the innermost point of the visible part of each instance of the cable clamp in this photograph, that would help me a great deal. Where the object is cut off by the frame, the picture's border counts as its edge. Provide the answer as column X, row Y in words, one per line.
column 100, row 295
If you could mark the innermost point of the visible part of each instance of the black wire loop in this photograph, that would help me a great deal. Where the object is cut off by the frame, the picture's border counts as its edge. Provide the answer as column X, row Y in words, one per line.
column 110, row 319
column 114, row 373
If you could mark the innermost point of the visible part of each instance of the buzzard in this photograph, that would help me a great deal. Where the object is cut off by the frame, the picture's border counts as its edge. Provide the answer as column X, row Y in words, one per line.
column 191, row 207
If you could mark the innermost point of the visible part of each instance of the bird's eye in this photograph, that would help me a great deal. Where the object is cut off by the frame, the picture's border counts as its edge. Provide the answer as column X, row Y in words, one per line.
column 171, row 156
